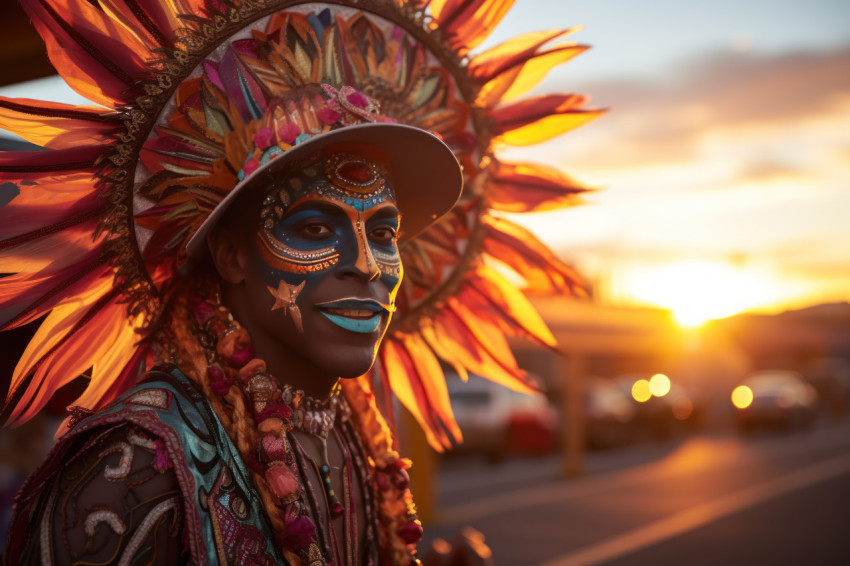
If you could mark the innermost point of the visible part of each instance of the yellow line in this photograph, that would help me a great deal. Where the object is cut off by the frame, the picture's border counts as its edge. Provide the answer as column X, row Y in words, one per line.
column 700, row 515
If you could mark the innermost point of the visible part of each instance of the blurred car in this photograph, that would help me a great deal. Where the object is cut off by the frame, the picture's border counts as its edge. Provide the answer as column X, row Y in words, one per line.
column 610, row 414
column 831, row 379
column 659, row 414
column 774, row 399
column 497, row 422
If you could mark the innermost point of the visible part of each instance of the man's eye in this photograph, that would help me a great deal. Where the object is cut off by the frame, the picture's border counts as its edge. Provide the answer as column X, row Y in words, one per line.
column 384, row 234
column 315, row 230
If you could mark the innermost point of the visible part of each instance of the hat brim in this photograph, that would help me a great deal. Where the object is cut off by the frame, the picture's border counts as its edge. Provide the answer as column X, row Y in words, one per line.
column 425, row 175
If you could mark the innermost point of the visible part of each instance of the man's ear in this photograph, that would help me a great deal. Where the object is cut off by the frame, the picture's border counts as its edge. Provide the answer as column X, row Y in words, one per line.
column 227, row 253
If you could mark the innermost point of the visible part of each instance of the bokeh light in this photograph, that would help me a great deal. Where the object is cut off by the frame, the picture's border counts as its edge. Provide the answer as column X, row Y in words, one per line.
column 742, row 397
column 641, row 391
column 659, row 385
column 682, row 408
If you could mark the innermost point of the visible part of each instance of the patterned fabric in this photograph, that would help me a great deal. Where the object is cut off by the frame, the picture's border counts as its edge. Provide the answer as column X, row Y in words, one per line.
column 153, row 474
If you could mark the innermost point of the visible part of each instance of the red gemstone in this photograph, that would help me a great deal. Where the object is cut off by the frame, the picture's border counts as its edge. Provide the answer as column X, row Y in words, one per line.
column 355, row 172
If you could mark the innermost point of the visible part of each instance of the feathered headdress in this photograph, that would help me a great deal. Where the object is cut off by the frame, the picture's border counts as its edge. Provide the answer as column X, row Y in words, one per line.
column 95, row 233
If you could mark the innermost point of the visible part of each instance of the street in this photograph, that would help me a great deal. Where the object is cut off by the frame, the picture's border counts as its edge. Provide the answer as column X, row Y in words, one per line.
column 706, row 499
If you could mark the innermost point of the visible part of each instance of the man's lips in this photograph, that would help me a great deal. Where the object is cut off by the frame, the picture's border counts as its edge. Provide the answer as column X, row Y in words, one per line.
column 362, row 316
column 355, row 308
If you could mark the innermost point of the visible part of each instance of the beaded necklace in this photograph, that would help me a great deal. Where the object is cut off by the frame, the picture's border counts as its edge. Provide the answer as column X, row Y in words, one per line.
column 317, row 418
column 232, row 377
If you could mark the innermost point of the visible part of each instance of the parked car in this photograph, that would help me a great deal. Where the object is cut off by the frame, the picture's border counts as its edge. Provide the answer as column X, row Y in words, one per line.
column 497, row 422
column 610, row 414
column 831, row 379
column 659, row 414
column 774, row 399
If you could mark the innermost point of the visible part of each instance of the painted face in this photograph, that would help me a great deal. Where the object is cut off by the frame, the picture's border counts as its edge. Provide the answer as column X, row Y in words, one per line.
column 326, row 247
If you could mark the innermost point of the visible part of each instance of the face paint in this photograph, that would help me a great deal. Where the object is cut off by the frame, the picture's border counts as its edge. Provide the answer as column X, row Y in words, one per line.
column 284, row 297
column 326, row 220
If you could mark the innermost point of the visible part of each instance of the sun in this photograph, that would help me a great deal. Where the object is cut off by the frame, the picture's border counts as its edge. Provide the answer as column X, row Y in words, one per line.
column 698, row 291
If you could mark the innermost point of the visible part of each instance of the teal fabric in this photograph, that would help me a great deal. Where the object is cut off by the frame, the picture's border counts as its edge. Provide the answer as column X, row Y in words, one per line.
column 224, row 517
column 211, row 458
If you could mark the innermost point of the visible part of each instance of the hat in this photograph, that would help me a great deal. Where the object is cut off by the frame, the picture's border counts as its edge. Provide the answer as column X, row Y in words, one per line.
column 426, row 178
column 191, row 94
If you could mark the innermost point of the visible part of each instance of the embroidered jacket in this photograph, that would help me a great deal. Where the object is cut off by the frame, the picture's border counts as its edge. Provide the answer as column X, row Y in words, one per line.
column 155, row 477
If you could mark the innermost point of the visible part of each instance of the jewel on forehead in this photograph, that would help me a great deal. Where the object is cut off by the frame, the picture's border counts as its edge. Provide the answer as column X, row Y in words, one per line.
column 356, row 173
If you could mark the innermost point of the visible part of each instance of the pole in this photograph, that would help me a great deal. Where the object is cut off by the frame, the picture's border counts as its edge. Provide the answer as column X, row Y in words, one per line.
column 423, row 473
column 573, row 418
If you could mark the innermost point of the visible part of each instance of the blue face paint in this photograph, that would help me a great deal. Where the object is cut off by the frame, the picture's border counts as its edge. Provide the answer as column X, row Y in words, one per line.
column 360, row 325
column 328, row 245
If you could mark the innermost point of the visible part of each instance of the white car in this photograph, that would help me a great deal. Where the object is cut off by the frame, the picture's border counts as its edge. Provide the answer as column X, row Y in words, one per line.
column 497, row 421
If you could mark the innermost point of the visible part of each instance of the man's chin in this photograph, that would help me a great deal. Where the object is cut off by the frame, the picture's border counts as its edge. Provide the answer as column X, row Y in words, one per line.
column 349, row 362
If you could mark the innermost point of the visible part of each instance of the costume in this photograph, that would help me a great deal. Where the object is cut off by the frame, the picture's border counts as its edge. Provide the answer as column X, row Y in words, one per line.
column 205, row 97
column 207, row 470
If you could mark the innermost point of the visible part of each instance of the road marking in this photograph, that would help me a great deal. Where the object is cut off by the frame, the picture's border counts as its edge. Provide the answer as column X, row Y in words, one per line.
column 546, row 492
column 700, row 515
column 530, row 497
column 552, row 492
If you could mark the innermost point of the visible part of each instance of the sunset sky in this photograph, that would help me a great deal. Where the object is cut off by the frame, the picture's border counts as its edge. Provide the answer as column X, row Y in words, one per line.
column 724, row 162
column 725, row 158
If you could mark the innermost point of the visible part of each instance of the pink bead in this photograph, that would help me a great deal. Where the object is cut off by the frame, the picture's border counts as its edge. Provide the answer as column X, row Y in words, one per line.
column 274, row 447
column 383, row 481
column 358, row 99
column 250, row 166
column 203, row 311
column 411, row 533
column 263, row 138
column 242, row 356
column 328, row 116
column 281, row 479
column 288, row 132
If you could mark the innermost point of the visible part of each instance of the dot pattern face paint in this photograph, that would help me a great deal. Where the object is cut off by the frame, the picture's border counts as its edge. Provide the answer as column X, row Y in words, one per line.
column 336, row 213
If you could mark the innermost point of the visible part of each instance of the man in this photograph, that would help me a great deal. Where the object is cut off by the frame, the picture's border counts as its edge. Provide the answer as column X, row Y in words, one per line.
column 252, row 197
column 295, row 292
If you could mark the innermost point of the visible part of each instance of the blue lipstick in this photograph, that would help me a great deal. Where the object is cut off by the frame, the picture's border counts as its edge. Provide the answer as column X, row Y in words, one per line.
column 361, row 325
column 355, row 315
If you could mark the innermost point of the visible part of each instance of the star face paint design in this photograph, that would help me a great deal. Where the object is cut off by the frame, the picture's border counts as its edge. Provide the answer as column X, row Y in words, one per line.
column 328, row 221
column 284, row 297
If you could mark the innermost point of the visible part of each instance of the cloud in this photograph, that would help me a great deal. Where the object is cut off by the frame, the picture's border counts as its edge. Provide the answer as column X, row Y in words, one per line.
column 664, row 121
column 768, row 170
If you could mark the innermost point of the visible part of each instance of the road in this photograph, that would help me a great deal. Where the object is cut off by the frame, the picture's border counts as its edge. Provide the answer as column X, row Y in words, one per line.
column 702, row 500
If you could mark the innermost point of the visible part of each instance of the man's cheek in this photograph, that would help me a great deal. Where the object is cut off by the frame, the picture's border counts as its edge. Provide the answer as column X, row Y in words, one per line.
column 389, row 264
column 287, row 290
column 391, row 277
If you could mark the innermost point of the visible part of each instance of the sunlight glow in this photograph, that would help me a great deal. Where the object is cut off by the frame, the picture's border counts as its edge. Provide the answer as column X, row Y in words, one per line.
column 697, row 291
column 742, row 397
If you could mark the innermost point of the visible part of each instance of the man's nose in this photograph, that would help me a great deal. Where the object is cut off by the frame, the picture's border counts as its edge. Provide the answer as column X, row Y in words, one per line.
column 364, row 264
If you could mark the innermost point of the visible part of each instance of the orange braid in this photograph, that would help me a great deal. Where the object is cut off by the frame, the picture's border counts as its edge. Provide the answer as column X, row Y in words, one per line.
column 399, row 524
column 231, row 408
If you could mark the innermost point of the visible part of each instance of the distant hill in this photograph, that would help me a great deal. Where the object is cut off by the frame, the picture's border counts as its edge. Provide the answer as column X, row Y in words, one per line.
column 792, row 337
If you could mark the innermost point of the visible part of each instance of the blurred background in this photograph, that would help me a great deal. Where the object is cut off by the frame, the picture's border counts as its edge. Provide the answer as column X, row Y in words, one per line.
column 699, row 408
